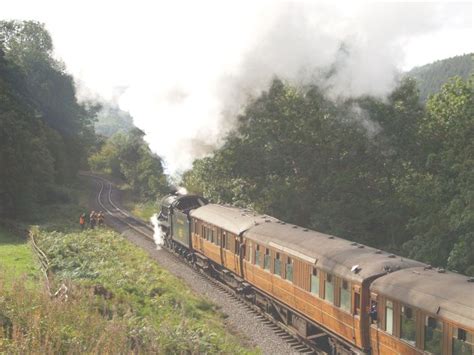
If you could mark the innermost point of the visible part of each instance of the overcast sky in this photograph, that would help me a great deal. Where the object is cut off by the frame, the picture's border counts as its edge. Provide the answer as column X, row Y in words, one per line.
column 184, row 68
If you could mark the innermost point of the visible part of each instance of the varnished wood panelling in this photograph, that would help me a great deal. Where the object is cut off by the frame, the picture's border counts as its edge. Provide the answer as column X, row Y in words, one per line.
column 262, row 279
column 302, row 274
column 212, row 251
column 314, row 308
column 232, row 261
column 283, row 290
column 386, row 344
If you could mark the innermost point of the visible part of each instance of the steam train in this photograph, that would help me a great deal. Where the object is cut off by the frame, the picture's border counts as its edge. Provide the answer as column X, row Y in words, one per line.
column 342, row 296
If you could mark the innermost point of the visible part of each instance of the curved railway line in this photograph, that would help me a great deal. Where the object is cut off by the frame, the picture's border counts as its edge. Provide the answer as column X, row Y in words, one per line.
column 116, row 215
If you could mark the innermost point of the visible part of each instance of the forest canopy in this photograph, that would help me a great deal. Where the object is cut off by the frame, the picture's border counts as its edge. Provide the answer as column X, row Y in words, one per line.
column 45, row 133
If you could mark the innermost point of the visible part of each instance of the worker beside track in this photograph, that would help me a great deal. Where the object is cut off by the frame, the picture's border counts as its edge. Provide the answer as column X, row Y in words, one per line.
column 100, row 219
column 92, row 219
column 82, row 221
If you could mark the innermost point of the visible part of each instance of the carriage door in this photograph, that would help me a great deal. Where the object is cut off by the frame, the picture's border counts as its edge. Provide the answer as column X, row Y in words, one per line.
column 224, row 247
column 237, row 251
column 201, row 240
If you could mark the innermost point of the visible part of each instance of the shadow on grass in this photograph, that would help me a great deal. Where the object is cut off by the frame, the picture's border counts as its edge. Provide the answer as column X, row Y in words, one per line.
column 10, row 238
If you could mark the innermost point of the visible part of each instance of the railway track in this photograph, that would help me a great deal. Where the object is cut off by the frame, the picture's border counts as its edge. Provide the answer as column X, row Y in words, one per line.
column 116, row 215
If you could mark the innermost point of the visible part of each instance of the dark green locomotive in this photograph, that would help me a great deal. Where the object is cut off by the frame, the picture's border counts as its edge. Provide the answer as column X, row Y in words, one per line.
column 174, row 220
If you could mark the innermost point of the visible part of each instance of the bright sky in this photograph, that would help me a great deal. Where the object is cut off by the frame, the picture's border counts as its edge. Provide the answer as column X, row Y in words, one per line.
column 176, row 66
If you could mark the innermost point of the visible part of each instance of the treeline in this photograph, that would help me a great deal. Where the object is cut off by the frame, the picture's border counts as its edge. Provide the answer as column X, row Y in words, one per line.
column 393, row 173
column 111, row 119
column 128, row 157
column 431, row 77
column 45, row 133
column 122, row 152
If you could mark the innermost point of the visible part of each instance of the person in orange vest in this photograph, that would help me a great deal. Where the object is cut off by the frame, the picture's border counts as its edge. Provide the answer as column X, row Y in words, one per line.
column 82, row 221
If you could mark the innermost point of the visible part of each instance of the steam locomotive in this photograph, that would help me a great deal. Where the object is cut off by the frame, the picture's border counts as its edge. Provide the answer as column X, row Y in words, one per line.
column 342, row 296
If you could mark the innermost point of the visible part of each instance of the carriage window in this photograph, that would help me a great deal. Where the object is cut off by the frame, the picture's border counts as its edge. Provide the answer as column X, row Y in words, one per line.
column 345, row 296
column 257, row 255
column 329, row 288
column 389, row 317
column 289, row 270
column 315, row 282
column 433, row 335
column 408, row 324
column 277, row 266
column 243, row 251
column 237, row 246
column 224, row 240
column 212, row 235
column 463, row 342
column 266, row 260
column 356, row 302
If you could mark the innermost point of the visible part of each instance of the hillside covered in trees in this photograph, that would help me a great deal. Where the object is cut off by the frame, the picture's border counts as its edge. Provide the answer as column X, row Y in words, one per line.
column 45, row 134
column 395, row 174
column 431, row 77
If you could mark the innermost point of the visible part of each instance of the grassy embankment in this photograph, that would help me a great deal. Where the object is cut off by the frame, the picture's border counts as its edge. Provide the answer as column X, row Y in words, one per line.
column 16, row 258
column 119, row 301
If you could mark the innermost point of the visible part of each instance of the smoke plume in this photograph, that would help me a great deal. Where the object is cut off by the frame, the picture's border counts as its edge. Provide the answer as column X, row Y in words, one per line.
column 158, row 234
column 184, row 69
column 347, row 51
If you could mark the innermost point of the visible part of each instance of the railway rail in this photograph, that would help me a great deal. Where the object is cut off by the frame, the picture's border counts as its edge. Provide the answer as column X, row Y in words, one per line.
column 115, row 215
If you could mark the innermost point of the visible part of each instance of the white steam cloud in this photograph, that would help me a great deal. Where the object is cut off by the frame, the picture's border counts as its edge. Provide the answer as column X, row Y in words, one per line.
column 363, row 46
column 182, row 190
column 183, row 69
column 158, row 233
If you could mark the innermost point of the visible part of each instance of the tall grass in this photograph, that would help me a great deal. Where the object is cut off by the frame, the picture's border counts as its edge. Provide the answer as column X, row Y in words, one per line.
column 119, row 301
column 33, row 322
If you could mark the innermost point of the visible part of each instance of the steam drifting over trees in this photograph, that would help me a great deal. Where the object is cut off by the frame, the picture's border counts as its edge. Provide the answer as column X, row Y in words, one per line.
column 390, row 173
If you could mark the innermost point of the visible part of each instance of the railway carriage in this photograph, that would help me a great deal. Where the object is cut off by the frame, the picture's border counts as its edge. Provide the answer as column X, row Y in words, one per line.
column 423, row 310
column 315, row 283
column 345, row 296
column 324, row 280
column 217, row 234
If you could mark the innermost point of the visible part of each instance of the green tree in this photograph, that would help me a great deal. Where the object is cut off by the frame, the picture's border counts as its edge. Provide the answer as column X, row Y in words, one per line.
column 45, row 133
column 26, row 165
column 128, row 157
column 442, row 191
column 51, row 92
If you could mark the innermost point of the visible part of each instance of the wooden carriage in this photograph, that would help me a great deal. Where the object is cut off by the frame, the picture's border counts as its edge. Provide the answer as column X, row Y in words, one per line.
column 314, row 281
column 423, row 310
